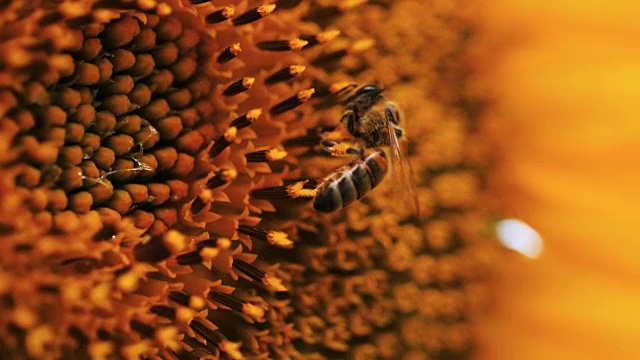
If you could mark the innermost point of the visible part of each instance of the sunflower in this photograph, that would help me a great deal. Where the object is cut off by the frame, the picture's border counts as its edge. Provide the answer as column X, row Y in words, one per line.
column 145, row 146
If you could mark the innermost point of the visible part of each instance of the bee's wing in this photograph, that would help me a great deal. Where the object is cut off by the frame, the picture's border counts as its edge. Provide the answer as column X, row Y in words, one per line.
column 403, row 178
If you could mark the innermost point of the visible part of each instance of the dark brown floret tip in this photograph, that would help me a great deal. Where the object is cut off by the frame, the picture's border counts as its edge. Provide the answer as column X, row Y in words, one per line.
column 282, row 45
column 285, row 74
column 254, row 14
column 266, row 155
column 220, row 15
column 229, row 53
column 239, row 86
column 277, row 238
column 292, row 102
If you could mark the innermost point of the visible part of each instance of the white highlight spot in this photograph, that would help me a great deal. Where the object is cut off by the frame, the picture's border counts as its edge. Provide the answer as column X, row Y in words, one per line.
column 517, row 235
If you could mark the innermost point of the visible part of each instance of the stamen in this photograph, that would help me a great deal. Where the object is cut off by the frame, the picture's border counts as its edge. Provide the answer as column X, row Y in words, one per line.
column 222, row 177
column 223, row 141
column 293, row 191
column 292, row 102
column 330, row 57
column 164, row 311
column 247, row 119
column 220, row 15
column 205, row 332
column 321, row 38
column 239, row 86
column 180, row 297
column 190, row 258
column 240, row 122
column 229, row 53
column 249, row 270
column 227, row 300
column 230, row 301
column 142, row 328
column 207, row 243
column 282, row 45
column 284, row 74
column 266, row 155
column 254, row 14
column 277, row 238
column 161, row 247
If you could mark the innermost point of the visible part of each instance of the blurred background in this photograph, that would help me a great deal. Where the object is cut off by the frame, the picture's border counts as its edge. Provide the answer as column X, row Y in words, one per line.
column 568, row 82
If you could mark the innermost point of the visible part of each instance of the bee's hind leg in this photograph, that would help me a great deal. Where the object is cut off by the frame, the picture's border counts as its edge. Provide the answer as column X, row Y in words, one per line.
column 340, row 148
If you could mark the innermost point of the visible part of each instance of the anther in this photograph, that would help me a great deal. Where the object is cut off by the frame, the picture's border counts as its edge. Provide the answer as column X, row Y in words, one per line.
column 208, row 335
column 249, row 270
column 190, row 258
column 266, row 155
column 229, row 136
column 282, row 45
column 180, row 297
column 247, row 119
column 222, row 177
column 239, row 86
column 230, row 301
column 142, row 328
column 284, row 74
column 220, row 15
column 292, row 102
column 321, row 38
column 164, row 311
column 254, row 14
column 229, row 53
column 277, row 238
column 300, row 189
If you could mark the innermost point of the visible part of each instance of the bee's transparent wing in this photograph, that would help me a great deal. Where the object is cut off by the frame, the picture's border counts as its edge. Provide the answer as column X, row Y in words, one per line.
column 402, row 175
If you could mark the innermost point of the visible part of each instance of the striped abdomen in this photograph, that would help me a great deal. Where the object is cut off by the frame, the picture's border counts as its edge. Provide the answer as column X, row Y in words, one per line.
column 351, row 182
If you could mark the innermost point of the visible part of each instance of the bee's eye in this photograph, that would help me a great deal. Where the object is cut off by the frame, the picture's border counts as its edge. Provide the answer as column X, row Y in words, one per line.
column 367, row 89
column 398, row 132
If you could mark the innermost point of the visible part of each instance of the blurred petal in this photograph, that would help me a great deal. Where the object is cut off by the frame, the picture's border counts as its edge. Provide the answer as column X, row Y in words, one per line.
column 568, row 104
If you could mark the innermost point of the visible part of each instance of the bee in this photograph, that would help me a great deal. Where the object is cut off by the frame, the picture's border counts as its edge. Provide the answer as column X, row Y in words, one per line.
column 371, row 125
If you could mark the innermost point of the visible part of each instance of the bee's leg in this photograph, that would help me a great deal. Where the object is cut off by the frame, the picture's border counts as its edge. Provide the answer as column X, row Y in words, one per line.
column 391, row 113
column 340, row 148
column 348, row 120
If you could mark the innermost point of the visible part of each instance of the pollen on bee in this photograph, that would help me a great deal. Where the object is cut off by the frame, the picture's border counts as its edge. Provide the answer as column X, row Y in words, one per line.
column 292, row 102
column 254, row 14
column 220, row 15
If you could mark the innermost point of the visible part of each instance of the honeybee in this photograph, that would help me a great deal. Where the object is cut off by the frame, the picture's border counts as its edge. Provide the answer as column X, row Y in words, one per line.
column 371, row 125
